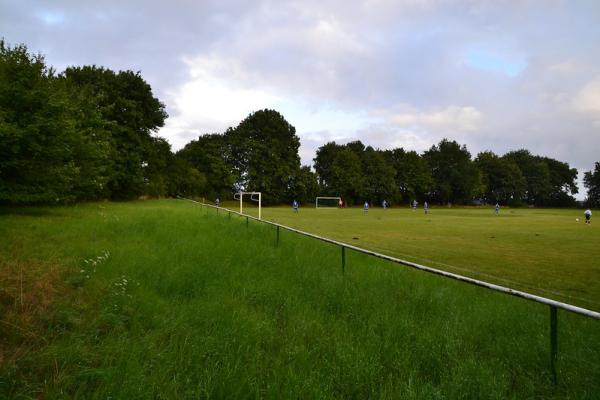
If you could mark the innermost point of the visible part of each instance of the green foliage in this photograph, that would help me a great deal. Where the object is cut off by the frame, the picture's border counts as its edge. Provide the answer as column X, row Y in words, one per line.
column 264, row 148
column 347, row 176
column 503, row 181
column 456, row 179
column 591, row 180
column 304, row 186
column 413, row 178
column 131, row 114
column 49, row 148
column 549, row 182
column 379, row 183
column 85, row 134
column 211, row 156
column 324, row 159
column 185, row 180
column 356, row 173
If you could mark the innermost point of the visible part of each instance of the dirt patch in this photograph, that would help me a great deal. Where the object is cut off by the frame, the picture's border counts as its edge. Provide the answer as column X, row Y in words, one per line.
column 27, row 293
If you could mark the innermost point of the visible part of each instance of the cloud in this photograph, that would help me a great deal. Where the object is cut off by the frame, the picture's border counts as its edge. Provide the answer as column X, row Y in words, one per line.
column 587, row 99
column 450, row 119
column 208, row 103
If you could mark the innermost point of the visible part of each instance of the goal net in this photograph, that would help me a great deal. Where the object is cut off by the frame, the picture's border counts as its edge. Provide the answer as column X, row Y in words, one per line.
column 328, row 202
column 253, row 196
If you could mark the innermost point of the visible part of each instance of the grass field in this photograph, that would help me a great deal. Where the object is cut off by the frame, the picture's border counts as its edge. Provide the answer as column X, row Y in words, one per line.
column 164, row 299
column 542, row 251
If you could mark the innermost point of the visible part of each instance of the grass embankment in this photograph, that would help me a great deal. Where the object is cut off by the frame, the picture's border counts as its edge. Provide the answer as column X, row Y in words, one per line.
column 542, row 251
column 178, row 302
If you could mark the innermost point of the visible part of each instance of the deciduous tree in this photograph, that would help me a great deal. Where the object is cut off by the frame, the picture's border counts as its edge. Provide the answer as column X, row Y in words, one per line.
column 265, row 154
column 591, row 180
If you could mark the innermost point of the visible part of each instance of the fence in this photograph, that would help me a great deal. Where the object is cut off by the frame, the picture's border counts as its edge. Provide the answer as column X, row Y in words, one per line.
column 553, row 304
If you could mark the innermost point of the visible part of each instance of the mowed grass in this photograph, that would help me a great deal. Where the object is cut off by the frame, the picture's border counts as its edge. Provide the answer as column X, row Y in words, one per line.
column 542, row 251
column 177, row 301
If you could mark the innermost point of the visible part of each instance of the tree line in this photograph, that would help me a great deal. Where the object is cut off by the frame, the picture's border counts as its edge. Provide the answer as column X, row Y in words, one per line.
column 90, row 133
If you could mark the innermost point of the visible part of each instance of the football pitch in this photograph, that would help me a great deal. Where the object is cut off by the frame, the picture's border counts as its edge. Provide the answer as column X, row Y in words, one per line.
column 542, row 251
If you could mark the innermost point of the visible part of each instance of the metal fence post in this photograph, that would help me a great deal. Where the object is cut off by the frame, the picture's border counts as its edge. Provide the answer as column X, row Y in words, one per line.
column 277, row 235
column 343, row 259
column 553, row 341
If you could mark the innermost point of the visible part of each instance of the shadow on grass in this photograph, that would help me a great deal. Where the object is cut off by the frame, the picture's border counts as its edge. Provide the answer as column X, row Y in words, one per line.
column 32, row 211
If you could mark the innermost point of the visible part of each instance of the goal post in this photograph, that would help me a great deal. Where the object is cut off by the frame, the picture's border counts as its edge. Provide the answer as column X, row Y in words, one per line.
column 328, row 202
column 254, row 196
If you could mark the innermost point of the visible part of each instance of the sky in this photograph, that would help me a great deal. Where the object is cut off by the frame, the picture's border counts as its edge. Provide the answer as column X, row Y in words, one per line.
column 494, row 75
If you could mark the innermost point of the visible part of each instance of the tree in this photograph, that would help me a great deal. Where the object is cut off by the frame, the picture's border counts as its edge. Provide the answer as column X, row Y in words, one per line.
column 413, row 177
column 379, row 174
column 48, row 151
column 562, row 183
column 184, row 180
column 264, row 149
column 549, row 182
column 347, row 178
column 326, row 154
column 131, row 114
column 456, row 178
column 159, row 157
column 591, row 181
column 211, row 156
column 305, row 186
column 502, row 179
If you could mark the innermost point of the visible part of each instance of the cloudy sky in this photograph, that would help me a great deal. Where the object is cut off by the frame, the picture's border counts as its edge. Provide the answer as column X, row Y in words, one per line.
column 494, row 75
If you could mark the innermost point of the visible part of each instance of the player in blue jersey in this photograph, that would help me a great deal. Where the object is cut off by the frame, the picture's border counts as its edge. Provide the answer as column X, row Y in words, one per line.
column 366, row 207
column 588, row 216
column 295, row 206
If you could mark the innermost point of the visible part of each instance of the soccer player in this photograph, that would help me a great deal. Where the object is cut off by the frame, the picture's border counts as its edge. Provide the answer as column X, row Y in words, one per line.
column 295, row 206
column 340, row 203
column 588, row 216
column 384, row 204
column 366, row 207
column 414, row 205
column 497, row 208
column 426, row 207
column 217, row 202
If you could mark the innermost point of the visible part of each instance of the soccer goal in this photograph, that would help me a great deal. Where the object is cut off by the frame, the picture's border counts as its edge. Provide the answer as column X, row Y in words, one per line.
column 254, row 196
column 328, row 202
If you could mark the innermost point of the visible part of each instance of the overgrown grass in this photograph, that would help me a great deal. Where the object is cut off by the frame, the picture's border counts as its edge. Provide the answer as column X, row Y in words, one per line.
column 176, row 301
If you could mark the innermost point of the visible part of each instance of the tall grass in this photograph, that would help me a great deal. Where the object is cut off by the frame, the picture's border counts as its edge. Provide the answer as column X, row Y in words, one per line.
column 176, row 301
